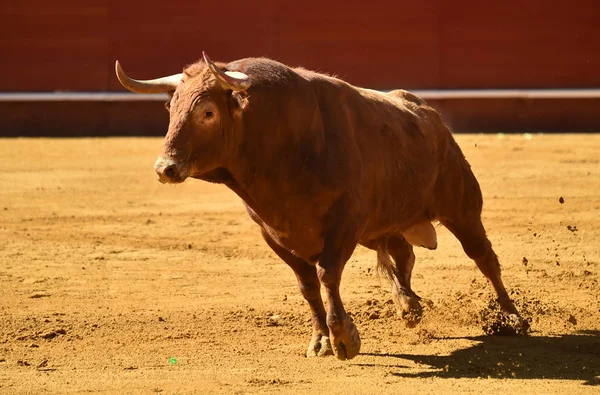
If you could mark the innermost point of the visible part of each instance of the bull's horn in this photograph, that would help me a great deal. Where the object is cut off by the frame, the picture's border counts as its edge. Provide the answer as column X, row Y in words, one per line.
column 233, row 80
column 159, row 85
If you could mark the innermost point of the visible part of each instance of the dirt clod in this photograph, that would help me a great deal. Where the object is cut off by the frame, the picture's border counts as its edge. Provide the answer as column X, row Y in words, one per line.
column 267, row 382
column 38, row 295
column 54, row 333
column 273, row 320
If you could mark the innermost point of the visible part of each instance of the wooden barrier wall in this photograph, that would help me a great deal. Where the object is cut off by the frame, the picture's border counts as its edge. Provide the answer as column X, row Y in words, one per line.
column 71, row 45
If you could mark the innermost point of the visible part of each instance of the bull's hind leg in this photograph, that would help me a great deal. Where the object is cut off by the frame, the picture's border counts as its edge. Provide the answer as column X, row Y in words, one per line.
column 399, row 272
column 406, row 300
column 477, row 246
column 310, row 287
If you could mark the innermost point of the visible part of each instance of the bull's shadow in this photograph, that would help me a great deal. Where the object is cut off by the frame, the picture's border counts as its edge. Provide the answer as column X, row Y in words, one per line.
column 566, row 357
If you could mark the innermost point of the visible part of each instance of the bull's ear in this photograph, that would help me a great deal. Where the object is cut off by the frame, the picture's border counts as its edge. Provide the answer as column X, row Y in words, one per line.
column 168, row 102
column 233, row 80
column 240, row 100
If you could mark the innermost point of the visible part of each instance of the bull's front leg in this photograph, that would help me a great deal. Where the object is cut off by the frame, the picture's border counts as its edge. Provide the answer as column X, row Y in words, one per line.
column 310, row 287
column 337, row 250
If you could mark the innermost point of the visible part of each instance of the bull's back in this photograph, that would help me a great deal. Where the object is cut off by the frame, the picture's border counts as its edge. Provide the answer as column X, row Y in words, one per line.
column 417, row 170
column 400, row 148
column 457, row 191
column 392, row 150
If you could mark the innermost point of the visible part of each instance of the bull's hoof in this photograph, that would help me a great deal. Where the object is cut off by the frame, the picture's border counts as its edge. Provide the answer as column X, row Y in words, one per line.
column 502, row 324
column 410, row 310
column 521, row 325
column 346, row 341
column 412, row 318
column 320, row 346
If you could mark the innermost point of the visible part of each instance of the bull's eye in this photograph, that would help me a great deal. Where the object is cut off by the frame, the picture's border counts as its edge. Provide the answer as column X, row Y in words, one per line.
column 208, row 114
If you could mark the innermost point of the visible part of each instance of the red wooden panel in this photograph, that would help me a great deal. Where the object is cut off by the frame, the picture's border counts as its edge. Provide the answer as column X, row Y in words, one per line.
column 520, row 44
column 384, row 45
column 57, row 45
column 154, row 38
column 72, row 45
column 387, row 46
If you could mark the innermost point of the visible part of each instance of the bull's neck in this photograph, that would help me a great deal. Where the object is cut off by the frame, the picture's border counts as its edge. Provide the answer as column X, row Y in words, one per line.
column 276, row 150
column 262, row 181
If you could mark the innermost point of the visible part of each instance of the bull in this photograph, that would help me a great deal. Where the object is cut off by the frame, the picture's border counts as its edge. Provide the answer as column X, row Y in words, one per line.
column 323, row 166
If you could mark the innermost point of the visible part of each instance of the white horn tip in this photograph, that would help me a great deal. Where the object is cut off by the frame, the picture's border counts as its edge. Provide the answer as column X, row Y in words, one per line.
column 118, row 68
column 237, row 75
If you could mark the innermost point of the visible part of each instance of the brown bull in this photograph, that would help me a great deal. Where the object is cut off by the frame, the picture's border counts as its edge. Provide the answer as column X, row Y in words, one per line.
column 323, row 166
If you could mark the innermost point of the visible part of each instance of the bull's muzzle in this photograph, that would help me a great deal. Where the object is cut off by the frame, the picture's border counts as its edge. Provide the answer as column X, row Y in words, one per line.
column 170, row 171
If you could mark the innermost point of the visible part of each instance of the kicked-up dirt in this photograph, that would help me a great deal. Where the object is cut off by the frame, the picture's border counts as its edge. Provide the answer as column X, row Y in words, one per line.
column 113, row 283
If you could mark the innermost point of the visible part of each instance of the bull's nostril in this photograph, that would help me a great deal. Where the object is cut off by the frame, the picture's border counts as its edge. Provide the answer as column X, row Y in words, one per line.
column 169, row 172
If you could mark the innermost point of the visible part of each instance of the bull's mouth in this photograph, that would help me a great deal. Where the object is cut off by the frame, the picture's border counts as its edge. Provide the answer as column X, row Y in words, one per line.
column 172, row 180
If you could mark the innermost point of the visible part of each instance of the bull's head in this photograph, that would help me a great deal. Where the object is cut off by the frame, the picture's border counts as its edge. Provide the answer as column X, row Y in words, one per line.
column 205, row 107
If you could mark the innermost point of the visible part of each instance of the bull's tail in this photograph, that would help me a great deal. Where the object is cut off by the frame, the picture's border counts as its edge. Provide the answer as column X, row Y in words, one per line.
column 385, row 264
column 387, row 268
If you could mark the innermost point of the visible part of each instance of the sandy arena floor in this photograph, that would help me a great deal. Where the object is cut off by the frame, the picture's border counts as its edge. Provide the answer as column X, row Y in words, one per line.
column 113, row 283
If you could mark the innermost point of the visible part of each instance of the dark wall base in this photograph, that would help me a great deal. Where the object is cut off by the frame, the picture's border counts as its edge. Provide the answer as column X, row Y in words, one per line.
column 73, row 119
